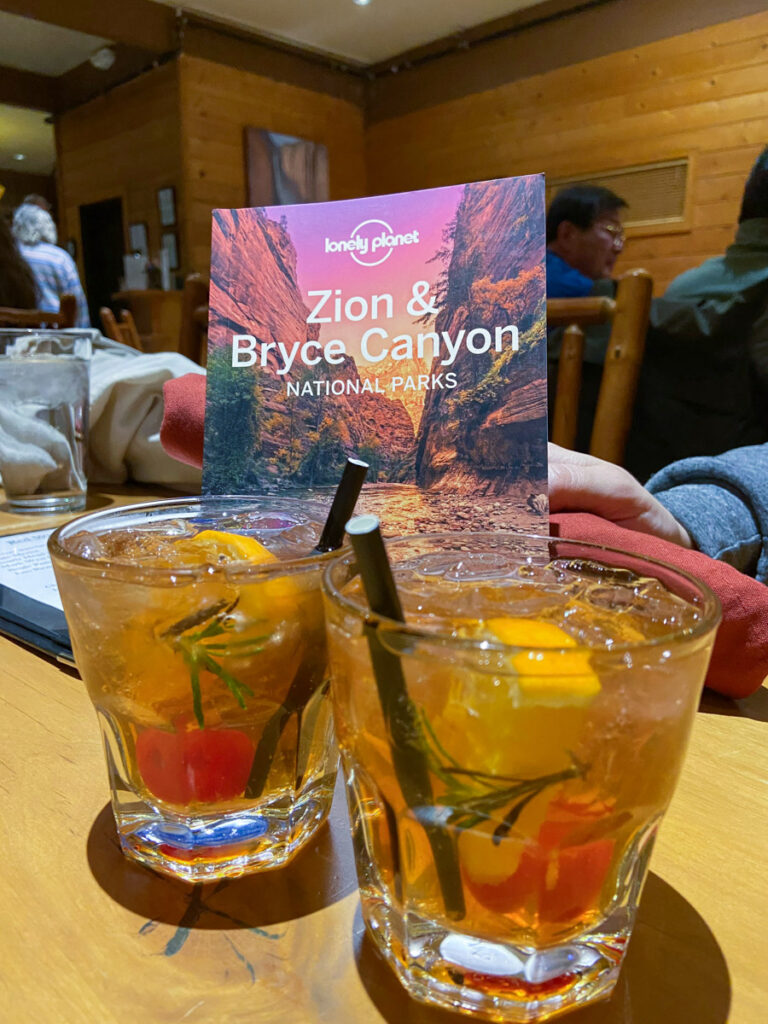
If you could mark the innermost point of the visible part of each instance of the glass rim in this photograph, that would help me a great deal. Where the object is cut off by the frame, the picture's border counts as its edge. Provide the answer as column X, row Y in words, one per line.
column 83, row 338
column 147, row 574
column 710, row 618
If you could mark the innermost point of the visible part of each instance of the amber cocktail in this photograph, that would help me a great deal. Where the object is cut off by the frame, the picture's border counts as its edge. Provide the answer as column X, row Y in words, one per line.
column 197, row 625
column 509, row 753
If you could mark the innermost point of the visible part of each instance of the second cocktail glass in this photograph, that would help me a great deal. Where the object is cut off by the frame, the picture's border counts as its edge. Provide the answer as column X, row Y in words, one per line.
column 509, row 752
column 197, row 625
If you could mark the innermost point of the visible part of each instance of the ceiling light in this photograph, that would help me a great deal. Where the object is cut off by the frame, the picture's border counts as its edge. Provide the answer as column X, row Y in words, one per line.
column 103, row 59
column 19, row 156
column 362, row 3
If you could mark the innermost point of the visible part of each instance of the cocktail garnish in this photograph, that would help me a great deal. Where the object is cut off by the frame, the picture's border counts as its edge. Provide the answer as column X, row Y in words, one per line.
column 551, row 669
column 197, row 618
column 472, row 801
column 199, row 655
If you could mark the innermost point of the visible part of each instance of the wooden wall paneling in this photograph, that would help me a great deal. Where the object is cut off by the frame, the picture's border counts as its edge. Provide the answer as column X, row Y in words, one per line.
column 704, row 95
column 19, row 184
column 586, row 34
column 127, row 144
column 727, row 161
column 217, row 102
column 720, row 188
column 582, row 142
column 626, row 85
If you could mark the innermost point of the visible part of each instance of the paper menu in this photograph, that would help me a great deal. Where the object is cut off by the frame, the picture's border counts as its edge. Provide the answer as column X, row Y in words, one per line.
column 25, row 566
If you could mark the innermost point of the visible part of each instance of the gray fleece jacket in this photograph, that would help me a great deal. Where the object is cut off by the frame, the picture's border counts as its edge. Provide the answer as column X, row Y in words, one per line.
column 722, row 501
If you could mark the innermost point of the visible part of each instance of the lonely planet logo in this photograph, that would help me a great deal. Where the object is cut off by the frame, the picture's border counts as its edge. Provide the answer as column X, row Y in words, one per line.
column 371, row 242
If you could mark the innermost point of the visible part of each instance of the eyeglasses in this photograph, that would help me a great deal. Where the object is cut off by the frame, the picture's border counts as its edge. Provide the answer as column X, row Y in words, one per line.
column 614, row 231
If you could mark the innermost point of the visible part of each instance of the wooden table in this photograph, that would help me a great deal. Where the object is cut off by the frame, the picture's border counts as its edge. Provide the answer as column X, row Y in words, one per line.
column 90, row 937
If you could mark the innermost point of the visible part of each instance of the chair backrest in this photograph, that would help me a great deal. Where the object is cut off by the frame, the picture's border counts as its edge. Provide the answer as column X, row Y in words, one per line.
column 123, row 330
column 65, row 317
column 193, row 335
column 628, row 315
column 127, row 326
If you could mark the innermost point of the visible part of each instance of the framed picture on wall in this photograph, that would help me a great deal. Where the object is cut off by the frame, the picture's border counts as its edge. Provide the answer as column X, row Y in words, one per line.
column 284, row 169
column 166, row 205
column 137, row 238
column 171, row 246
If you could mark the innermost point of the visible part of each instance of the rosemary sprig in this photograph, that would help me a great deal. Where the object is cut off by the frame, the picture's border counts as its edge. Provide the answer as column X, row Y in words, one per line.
column 199, row 655
column 473, row 796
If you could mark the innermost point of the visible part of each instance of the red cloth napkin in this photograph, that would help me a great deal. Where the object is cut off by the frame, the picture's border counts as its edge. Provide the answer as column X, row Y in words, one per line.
column 740, row 657
column 181, row 432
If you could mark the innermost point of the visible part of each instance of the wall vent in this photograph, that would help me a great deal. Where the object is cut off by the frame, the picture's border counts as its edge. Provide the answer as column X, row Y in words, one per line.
column 657, row 194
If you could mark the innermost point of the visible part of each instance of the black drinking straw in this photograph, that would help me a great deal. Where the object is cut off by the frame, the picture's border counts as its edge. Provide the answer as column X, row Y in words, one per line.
column 311, row 669
column 343, row 505
column 402, row 722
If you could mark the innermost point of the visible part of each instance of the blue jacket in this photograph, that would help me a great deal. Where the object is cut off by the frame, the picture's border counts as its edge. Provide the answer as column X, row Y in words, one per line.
column 564, row 281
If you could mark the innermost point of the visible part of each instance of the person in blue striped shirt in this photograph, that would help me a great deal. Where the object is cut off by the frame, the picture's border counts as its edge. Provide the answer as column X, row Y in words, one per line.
column 54, row 269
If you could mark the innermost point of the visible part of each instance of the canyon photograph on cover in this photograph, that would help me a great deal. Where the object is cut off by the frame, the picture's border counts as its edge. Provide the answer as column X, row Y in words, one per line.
column 408, row 331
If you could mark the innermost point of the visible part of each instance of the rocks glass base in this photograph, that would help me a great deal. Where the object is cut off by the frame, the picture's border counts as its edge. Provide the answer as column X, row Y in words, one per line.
column 495, row 981
column 35, row 504
column 502, row 980
column 200, row 847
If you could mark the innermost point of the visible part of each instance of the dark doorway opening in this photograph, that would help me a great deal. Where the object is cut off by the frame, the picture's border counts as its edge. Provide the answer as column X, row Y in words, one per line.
column 101, row 229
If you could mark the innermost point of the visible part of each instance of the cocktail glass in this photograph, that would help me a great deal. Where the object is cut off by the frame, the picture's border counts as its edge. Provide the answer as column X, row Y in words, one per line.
column 509, row 752
column 197, row 625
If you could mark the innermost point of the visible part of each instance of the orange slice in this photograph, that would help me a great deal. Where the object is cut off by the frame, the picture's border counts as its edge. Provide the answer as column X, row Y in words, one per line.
column 557, row 677
column 230, row 547
column 262, row 599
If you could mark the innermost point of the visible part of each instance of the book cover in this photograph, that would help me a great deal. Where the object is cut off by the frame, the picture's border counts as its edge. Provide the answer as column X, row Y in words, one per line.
column 406, row 330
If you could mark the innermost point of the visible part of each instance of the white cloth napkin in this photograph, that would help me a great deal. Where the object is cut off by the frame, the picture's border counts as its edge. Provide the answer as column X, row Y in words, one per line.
column 30, row 450
column 125, row 413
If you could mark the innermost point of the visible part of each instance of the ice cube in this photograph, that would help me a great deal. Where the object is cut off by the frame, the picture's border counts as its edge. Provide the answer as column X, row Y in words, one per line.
column 86, row 545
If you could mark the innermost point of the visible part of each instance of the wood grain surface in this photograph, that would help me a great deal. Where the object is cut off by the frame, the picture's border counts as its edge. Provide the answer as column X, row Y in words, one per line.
column 701, row 95
column 90, row 937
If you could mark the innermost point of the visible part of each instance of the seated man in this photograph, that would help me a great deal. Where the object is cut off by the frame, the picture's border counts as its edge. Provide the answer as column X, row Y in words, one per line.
column 740, row 276
column 584, row 239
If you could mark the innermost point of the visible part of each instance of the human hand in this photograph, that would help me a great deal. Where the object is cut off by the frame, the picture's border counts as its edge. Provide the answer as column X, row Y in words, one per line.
column 582, row 483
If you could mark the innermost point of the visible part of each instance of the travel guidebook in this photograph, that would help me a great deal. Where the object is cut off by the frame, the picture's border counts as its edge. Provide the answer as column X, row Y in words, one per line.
column 405, row 330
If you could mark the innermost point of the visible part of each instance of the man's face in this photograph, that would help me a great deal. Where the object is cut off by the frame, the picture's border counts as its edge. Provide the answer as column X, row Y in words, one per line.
column 595, row 250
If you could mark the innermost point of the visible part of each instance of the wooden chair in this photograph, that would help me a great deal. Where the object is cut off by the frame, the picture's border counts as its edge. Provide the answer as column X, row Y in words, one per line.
column 628, row 315
column 123, row 330
column 66, row 316
column 193, row 336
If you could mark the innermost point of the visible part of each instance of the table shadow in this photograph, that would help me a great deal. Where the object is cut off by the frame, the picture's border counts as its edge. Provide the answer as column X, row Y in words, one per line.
column 96, row 500
column 755, row 706
column 674, row 973
column 321, row 874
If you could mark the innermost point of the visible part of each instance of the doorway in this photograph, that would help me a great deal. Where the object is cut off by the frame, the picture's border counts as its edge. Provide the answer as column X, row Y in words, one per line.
column 101, row 230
